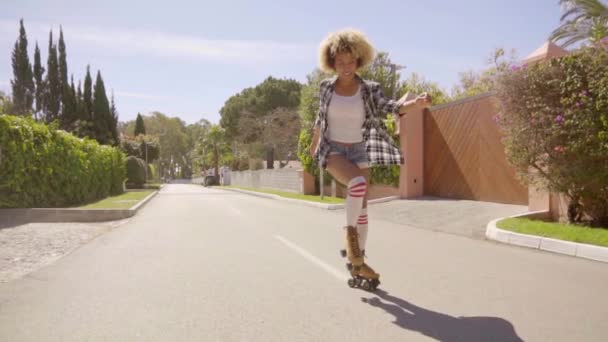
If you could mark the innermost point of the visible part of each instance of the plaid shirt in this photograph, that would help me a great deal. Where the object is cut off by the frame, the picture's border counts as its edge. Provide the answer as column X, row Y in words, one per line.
column 381, row 150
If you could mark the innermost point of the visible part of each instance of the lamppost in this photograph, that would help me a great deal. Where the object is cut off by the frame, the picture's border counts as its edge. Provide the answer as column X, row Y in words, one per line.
column 394, row 68
column 146, row 143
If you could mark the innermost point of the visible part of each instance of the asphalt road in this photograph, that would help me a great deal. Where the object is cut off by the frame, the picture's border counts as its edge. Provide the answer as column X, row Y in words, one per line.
column 199, row 264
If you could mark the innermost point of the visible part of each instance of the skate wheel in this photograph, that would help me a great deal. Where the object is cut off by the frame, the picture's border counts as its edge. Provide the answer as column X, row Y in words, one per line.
column 343, row 253
column 366, row 285
column 351, row 282
column 349, row 267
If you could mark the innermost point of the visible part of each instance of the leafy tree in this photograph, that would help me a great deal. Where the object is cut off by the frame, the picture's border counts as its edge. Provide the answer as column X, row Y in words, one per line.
column 417, row 84
column 474, row 83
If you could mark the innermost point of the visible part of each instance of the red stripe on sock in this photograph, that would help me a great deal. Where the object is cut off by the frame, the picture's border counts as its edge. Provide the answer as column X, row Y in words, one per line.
column 361, row 222
column 358, row 186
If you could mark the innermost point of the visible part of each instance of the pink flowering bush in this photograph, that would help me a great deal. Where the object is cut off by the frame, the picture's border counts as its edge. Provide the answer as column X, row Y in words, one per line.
column 555, row 121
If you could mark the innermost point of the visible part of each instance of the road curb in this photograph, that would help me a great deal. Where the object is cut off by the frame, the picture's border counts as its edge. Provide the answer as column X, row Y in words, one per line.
column 575, row 249
column 383, row 199
column 27, row 215
column 308, row 203
column 292, row 200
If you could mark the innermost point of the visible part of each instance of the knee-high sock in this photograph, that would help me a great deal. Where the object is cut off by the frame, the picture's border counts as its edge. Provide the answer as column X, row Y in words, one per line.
column 357, row 187
column 362, row 228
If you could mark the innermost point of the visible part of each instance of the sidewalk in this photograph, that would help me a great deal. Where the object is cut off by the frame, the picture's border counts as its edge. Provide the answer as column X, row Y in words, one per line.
column 14, row 217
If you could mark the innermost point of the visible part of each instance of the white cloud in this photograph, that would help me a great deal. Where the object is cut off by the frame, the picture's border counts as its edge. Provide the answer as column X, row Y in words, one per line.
column 142, row 96
column 141, row 42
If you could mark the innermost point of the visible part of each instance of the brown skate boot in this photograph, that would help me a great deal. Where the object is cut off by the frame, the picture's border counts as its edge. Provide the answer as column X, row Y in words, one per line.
column 368, row 273
column 352, row 251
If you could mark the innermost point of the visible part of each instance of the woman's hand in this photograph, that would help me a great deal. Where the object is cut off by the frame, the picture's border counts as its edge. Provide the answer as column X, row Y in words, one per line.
column 424, row 100
column 421, row 101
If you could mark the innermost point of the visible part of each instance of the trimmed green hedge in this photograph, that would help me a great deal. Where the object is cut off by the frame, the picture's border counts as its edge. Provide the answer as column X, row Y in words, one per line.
column 136, row 172
column 44, row 167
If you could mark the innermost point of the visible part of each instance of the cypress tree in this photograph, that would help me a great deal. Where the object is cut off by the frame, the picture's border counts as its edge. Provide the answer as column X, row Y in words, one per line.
column 140, row 128
column 67, row 114
column 69, row 107
column 83, row 126
column 39, row 83
column 54, row 89
column 63, row 64
column 101, row 112
column 114, row 121
column 23, row 82
column 87, row 97
column 82, row 115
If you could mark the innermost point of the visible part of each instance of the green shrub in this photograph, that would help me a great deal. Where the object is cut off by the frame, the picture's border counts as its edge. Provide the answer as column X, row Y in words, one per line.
column 44, row 167
column 555, row 120
column 136, row 172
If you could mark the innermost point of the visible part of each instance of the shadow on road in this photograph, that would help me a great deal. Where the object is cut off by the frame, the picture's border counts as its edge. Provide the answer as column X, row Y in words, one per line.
column 440, row 326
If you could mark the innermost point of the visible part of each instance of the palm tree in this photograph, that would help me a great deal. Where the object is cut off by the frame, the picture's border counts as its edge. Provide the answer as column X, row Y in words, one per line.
column 583, row 20
column 215, row 142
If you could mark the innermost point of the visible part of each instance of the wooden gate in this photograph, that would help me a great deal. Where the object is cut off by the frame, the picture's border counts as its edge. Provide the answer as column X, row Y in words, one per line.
column 464, row 157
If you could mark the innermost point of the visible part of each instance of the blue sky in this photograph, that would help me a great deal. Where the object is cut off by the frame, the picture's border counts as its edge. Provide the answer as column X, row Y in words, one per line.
column 186, row 58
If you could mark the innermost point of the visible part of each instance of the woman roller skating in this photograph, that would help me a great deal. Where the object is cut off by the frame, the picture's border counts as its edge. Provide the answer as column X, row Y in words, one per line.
column 349, row 137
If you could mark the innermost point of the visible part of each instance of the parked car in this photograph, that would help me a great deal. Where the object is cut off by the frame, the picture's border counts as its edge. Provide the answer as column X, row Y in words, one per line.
column 211, row 180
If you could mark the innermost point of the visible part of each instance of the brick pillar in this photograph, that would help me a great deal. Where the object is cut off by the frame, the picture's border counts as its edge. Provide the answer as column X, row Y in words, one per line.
column 307, row 183
column 411, row 134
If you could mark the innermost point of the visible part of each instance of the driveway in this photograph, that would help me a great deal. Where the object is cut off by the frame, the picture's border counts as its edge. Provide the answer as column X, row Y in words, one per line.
column 461, row 217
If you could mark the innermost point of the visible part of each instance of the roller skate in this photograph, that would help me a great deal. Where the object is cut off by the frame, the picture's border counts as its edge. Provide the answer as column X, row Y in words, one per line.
column 362, row 275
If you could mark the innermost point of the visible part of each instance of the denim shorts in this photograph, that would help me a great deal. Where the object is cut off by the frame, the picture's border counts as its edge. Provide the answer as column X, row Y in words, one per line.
column 355, row 153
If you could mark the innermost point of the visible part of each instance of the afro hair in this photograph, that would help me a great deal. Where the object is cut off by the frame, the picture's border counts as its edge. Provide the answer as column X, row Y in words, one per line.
column 345, row 41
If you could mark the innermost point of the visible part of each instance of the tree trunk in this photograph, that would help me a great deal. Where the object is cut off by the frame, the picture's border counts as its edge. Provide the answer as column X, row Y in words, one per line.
column 270, row 158
column 216, row 162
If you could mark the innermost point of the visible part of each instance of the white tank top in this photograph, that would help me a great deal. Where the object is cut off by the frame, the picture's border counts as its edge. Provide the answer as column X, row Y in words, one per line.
column 345, row 117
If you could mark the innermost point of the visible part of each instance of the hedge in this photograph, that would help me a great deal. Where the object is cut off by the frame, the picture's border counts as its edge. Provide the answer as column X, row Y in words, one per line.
column 41, row 166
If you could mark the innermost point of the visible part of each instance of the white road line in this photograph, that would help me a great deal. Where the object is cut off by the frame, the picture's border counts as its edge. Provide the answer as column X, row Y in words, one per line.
column 328, row 268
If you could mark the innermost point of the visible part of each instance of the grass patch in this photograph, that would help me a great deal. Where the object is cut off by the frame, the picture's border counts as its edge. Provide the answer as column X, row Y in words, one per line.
column 568, row 232
column 312, row 198
column 154, row 186
column 124, row 201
